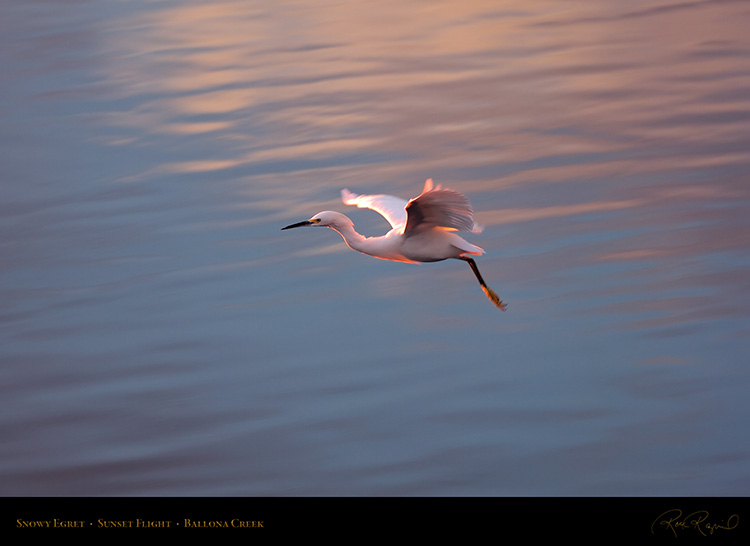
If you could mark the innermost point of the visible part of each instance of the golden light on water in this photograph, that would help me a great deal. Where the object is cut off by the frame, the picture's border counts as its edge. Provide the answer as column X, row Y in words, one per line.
column 155, row 149
column 469, row 85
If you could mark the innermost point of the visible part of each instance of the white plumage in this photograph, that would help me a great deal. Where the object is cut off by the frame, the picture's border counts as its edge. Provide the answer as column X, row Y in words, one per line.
column 422, row 229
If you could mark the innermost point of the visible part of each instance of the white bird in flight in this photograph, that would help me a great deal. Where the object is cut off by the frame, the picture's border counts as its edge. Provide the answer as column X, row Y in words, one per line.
column 422, row 229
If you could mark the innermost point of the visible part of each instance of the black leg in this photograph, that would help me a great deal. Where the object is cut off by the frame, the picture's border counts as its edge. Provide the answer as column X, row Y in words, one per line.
column 487, row 290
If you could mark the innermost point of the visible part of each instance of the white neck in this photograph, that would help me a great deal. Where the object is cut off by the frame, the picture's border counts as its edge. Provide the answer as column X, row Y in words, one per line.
column 355, row 241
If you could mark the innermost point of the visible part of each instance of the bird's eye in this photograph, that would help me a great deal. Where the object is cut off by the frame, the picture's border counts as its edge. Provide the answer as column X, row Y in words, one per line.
column 315, row 220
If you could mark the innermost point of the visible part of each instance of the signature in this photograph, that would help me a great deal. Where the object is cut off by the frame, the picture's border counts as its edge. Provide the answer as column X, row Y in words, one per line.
column 697, row 521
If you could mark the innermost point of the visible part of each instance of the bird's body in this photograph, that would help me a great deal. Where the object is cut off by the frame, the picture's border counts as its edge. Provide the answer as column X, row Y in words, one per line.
column 422, row 229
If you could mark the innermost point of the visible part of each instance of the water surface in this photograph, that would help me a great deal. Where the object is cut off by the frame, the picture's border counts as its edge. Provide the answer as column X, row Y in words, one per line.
column 161, row 336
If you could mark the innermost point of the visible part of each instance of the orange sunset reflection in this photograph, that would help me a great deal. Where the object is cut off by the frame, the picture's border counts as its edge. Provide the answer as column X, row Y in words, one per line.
column 606, row 115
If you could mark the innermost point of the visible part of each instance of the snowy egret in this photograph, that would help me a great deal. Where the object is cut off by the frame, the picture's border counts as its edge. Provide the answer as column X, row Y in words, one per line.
column 422, row 229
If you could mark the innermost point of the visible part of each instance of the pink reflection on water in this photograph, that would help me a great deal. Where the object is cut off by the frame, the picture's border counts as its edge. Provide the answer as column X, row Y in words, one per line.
column 606, row 117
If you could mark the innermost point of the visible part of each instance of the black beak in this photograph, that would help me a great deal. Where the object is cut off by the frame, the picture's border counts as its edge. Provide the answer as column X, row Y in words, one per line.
column 298, row 224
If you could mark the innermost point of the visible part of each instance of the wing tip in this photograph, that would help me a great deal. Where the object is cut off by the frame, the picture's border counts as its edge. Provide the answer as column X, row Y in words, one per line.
column 347, row 197
column 429, row 185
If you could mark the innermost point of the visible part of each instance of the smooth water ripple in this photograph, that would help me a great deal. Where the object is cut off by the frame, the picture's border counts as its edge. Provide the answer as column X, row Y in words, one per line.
column 161, row 336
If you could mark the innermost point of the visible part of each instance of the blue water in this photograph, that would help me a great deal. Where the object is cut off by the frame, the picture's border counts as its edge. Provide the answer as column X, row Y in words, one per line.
column 160, row 335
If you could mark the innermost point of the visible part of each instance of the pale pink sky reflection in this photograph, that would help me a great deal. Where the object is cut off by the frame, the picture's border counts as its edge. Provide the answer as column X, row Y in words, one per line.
column 466, row 86
column 546, row 114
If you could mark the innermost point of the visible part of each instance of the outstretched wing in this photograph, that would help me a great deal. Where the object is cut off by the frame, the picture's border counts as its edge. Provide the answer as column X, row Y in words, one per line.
column 390, row 207
column 440, row 207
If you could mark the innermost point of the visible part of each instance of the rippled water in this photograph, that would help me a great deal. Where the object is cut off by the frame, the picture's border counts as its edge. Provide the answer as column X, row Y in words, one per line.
column 161, row 336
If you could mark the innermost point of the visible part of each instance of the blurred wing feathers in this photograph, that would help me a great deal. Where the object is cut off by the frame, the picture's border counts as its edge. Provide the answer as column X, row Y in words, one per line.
column 439, row 207
column 390, row 207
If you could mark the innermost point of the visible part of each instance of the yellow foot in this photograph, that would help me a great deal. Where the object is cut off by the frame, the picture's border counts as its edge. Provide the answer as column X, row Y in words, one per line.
column 490, row 293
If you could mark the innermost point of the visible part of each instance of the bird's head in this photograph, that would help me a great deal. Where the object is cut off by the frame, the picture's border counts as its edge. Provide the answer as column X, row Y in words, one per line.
column 327, row 218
